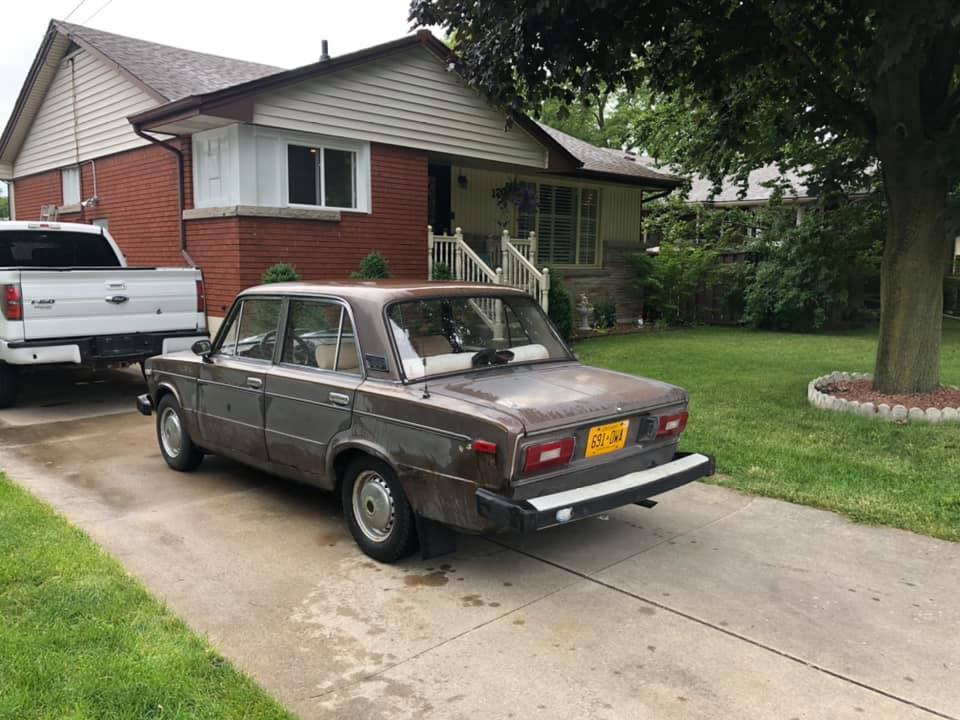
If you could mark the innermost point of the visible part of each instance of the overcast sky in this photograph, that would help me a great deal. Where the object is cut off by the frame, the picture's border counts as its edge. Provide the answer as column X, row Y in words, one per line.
column 286, row 33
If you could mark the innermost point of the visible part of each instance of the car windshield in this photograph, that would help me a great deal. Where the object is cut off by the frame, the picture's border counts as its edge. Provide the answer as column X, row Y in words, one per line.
column 443, row 335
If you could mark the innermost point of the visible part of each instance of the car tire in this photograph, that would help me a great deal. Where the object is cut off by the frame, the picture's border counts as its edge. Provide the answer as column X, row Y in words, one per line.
column 377, row 510
column 9, row 384
column 176, row 446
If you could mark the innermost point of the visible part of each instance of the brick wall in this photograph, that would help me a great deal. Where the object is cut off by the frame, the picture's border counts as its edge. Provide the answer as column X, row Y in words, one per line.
column 138, row 194
column 611, row 283
column 138, row 197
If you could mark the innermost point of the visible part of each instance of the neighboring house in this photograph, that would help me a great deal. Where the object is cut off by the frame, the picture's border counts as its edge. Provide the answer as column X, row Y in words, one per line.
column 315, row 166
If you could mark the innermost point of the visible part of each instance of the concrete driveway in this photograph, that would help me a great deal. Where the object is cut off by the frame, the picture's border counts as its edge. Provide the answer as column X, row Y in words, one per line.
column 712, row 605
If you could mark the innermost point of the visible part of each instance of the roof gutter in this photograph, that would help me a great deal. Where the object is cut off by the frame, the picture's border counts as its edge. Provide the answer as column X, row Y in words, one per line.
column 178, row 153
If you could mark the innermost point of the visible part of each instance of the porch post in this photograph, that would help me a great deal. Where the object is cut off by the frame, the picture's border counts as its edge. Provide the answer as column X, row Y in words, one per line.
column 545, row 290
column 533, row 247
column 458, row 256
column 498, row 326
column 429, row 252
column 505, row 258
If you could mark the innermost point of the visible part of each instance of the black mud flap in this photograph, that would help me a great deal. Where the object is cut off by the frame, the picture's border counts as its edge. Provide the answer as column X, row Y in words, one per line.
column 435, row 538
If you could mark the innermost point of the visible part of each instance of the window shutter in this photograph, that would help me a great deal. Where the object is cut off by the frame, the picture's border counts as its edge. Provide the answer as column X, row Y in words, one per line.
column 589, row 224
column 558, row 224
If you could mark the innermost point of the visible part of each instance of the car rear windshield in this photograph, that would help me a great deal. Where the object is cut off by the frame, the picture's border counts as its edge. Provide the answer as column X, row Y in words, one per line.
column 442, row 335
column 55, row 248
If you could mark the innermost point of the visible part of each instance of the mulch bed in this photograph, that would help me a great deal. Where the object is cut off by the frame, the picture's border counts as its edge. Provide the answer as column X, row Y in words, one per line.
column 862, row 391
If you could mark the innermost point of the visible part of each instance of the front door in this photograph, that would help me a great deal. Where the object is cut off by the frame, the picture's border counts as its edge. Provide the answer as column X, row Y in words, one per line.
column 309, row 394
column 439, row 208
column 231, row 385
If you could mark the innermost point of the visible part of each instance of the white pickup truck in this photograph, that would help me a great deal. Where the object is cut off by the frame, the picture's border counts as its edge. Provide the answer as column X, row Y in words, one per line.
column 68, row 297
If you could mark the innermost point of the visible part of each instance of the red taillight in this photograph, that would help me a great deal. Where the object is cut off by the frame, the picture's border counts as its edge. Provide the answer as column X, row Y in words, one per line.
column 672, row 424
column 485, row 446
column 12, row 302
column 201, row 297
column 548, row 455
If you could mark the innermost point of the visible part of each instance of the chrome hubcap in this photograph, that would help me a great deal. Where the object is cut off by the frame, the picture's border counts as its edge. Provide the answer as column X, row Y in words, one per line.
column 171, row 435
column 373, row 505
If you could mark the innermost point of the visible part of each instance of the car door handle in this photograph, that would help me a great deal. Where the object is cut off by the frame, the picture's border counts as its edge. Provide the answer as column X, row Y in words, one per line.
column 254, row 382
column 338, row 398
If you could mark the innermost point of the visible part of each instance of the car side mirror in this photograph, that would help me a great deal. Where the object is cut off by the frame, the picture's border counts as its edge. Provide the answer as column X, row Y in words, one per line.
column 203, row 348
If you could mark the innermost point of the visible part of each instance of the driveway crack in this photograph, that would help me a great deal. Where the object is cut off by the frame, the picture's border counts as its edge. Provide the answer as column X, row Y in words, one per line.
column 731, row 633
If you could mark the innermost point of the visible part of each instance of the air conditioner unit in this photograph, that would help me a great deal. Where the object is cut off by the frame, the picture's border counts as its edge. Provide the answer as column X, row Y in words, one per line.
column 49, row 212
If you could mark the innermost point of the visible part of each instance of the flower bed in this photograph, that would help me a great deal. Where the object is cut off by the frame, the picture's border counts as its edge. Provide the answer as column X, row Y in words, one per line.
column 853, row 392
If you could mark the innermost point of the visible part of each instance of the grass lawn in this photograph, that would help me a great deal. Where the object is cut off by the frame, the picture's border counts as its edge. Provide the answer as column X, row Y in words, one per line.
column 748, row 406
column 79, row 638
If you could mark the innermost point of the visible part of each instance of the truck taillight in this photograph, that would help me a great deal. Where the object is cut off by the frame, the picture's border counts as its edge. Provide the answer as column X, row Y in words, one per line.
column 201, row 297
column 548, row 455
column 12, row 302
column 672, row 424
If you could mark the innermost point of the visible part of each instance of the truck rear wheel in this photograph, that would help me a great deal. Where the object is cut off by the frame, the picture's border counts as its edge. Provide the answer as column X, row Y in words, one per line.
column 9, row 384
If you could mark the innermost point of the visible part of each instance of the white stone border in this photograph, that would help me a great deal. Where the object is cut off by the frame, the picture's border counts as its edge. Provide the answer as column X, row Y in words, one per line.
column 897, row 413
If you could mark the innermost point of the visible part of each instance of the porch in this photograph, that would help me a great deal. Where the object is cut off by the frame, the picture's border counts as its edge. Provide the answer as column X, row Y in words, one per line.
column 513, row 263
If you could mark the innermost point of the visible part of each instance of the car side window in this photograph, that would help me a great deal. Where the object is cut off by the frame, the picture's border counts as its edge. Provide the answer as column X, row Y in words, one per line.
column 320, row 335
column 253, row 330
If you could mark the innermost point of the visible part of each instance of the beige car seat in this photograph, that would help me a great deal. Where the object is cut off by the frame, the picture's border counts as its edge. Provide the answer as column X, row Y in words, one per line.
column 325, row 355
column 430, row 345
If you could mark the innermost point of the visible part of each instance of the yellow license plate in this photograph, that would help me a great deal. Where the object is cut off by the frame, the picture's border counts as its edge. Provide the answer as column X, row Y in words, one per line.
column 607, row 438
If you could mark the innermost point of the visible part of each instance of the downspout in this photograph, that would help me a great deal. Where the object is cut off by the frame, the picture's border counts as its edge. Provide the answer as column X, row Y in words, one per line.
column 180, row 192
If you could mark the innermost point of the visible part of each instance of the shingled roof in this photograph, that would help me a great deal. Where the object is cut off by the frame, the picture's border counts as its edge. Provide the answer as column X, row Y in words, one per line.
column 172, row 73
column 176, row 77
column 602, row 162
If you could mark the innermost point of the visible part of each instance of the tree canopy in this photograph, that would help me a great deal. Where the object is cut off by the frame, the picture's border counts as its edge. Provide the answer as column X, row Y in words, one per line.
column 851, row 89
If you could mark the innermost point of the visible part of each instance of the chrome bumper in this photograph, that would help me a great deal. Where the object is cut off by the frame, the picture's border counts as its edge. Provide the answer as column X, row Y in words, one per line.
column 569, row 505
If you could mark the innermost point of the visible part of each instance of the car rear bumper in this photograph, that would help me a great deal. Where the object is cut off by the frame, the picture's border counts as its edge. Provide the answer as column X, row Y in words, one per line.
column 145, row 404
column 569, row 505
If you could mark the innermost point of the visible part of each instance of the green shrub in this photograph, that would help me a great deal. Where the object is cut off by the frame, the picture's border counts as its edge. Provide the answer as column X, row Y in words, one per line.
column 814, row 273
column 373, row 267
column 280, row 272
column 604, row 315
column 442, row 272
column 951, row 295
column 560, row 307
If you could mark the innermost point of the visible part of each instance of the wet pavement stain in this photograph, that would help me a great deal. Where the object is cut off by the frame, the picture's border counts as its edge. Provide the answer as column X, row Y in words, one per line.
column 434, row 579
column 472, row 600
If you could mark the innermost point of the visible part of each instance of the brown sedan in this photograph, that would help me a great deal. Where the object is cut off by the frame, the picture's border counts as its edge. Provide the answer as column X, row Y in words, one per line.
column 425, row 406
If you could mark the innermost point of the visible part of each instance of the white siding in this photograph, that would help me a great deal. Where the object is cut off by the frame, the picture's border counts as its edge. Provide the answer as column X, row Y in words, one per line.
column 407, row 99
column 247, row 165
column 104, row 100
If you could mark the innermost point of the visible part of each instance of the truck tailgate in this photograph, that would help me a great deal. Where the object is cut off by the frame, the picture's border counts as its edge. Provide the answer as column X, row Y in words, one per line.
column 80, row 302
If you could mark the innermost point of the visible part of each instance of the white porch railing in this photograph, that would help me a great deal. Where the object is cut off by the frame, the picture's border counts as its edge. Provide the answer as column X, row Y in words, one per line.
column 518, row 257
column 464, row 264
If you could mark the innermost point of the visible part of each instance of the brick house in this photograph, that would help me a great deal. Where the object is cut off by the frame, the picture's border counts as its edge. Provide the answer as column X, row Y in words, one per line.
column 190, row 158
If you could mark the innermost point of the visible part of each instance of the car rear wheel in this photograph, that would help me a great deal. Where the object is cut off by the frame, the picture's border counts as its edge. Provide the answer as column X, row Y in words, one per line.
column 378, row 513
column 177, row 448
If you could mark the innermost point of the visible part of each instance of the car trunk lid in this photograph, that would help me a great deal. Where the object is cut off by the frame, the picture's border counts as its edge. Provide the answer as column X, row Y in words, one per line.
column 544, row 397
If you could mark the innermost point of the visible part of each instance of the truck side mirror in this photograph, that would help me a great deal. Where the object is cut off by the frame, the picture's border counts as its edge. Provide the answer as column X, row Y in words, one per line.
column 203, row 348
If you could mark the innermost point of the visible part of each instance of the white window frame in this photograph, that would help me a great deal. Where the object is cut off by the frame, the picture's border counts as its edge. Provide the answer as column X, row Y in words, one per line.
column 70, row 185
column 361, row 171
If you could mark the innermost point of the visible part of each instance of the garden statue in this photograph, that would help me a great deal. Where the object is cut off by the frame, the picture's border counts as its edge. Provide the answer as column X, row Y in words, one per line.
column 586, row 313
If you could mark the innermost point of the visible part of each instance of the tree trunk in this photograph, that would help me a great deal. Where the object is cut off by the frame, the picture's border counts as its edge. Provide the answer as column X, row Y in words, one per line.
column 911, row 276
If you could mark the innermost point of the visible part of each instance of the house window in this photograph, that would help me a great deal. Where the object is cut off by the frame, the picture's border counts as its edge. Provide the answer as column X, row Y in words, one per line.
column 568, row 222
column 325, row 177
column 70, row 177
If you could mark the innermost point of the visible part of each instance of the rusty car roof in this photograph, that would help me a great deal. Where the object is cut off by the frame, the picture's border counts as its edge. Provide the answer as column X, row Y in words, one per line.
column 382, row 291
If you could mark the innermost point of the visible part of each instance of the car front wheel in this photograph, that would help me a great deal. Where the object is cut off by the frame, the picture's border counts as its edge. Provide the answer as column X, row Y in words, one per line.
column 176, row 446
column 378, row 513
